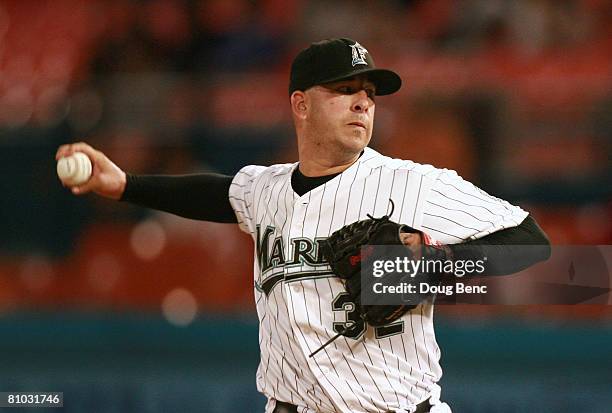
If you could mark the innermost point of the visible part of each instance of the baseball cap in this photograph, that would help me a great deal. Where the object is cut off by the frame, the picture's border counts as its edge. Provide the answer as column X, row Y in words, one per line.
column 336, row 59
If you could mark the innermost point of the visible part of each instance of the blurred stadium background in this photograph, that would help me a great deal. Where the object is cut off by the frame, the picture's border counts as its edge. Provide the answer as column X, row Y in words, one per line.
column 127, row 310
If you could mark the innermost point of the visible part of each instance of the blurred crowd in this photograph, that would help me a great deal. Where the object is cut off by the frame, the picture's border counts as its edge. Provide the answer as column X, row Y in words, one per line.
column 514, row 95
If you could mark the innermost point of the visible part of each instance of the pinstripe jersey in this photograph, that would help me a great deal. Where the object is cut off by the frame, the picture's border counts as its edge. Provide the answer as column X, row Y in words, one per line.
column 301, row 304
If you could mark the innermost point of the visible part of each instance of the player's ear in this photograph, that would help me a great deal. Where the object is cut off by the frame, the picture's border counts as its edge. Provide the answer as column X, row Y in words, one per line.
column 298, row 104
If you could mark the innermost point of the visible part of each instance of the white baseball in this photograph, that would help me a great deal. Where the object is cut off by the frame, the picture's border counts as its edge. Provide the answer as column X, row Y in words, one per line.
column 74, row 169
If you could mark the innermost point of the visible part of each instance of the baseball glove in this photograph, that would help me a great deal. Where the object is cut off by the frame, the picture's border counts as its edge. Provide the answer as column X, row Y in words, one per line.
column 351, row 246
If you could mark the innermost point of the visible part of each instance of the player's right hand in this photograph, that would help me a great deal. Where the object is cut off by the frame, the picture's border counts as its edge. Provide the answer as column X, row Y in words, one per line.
column 107, row 179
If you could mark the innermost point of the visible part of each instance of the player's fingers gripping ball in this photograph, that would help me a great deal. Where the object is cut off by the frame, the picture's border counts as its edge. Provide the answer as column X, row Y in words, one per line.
column 354, row 246
column 75, row 169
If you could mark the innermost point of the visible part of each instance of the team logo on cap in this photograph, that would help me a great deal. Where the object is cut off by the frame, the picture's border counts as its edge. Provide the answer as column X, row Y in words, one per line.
column 359, row 54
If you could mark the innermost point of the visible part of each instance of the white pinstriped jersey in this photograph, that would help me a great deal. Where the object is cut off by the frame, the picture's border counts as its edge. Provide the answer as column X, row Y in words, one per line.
column 301, row 304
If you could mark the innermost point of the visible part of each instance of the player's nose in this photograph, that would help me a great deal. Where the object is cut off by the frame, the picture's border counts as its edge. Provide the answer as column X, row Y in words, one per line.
column 361, row 102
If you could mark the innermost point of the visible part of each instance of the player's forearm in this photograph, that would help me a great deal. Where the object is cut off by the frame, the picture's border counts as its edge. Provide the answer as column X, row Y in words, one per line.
column 508, row 251
column 198, row 196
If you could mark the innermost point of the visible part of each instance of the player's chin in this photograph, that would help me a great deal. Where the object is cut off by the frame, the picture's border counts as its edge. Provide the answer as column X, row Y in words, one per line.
column 357, row 140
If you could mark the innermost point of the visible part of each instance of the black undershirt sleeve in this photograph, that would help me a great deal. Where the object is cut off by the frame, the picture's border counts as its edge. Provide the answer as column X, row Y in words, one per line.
column 506, row 250
column 203, row 196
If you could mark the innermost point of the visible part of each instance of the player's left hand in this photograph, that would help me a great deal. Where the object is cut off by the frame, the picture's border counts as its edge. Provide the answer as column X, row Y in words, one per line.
column 343, row 251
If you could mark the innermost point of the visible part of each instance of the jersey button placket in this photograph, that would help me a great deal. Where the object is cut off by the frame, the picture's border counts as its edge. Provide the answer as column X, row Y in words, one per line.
column 296, row 232
column 294, row 288
column 299, row 210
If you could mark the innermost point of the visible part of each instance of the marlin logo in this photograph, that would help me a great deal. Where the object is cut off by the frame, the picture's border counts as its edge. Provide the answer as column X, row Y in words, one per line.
column 359, row 54
column 272, row 258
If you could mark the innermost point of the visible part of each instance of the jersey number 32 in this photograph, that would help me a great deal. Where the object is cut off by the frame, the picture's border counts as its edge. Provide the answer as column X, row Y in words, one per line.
column 343, row 302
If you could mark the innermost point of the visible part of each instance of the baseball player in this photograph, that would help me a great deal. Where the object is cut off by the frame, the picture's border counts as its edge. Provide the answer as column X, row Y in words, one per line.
column 291, row 209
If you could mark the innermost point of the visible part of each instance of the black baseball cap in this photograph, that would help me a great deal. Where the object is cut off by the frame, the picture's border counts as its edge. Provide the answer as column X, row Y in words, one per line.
column 336, row 59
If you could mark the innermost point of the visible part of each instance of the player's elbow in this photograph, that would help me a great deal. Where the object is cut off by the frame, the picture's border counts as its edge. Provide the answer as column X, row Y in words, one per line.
column 544, row 248
column 525, row 246
column 539, row 242
column 536, row 253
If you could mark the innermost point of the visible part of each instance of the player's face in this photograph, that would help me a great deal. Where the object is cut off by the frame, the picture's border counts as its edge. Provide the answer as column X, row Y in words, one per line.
column 341, row 114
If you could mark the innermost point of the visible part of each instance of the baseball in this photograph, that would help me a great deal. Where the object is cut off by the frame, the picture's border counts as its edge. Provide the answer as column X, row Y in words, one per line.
column 74, row 169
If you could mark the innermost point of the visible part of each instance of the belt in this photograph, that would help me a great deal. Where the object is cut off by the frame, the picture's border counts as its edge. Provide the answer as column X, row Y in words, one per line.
column 282, row 407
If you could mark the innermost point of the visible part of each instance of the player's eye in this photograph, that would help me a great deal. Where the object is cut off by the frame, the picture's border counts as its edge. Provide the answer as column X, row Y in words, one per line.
column 349, row 90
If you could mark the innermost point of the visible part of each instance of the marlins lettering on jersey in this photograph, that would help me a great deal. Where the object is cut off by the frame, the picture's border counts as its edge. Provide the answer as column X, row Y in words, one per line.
column 301, row 304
